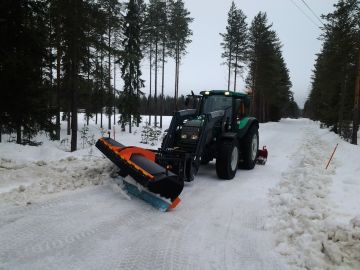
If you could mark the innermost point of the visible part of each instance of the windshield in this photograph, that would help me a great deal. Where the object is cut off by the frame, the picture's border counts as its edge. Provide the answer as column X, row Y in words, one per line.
column 216, row 103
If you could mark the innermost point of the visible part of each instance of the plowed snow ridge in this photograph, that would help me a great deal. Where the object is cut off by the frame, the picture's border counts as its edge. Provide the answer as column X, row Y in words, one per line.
column 308, row 234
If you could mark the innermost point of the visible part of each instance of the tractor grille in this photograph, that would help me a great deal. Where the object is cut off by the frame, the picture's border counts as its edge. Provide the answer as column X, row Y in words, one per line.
column 189, row 138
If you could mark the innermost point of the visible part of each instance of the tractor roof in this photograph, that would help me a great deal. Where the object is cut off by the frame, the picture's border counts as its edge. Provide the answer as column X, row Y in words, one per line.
column 224, row 92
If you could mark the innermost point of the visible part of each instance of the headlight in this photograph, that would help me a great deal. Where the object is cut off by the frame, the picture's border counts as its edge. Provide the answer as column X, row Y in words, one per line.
column 194, row 137
column 183, row 136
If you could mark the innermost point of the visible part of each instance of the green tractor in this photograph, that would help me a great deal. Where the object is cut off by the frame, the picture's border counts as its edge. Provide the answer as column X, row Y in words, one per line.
column 218, row 127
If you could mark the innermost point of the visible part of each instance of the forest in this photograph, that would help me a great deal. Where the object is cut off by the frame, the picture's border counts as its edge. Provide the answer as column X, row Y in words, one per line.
column 62, row 57
column 334, row 96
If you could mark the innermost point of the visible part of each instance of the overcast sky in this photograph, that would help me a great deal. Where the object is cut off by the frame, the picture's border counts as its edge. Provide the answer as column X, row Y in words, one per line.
column 201, row 68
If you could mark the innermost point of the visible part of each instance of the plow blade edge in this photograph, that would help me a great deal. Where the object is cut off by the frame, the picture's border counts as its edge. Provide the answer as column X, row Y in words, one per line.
column 140, row 164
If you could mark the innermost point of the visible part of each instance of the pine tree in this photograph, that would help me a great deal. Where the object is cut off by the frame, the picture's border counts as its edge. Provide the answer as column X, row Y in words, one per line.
column 155, row 35
column 235, row 43
column 112, row 22
column 179, row 37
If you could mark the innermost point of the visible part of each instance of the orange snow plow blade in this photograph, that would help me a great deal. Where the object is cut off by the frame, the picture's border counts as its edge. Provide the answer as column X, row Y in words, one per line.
column 140, row 164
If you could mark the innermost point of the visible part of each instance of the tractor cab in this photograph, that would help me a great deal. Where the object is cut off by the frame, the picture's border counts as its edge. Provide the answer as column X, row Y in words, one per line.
column 235, row 105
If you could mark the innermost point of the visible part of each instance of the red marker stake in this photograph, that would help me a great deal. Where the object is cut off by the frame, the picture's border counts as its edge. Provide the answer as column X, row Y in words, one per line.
column 327, row 165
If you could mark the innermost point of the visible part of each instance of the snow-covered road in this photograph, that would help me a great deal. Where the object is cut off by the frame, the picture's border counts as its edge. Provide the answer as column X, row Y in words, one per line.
column 219, row 224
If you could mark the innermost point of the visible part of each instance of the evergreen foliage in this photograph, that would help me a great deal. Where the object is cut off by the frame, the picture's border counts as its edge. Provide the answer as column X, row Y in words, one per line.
column 268, row 78
column 331, row 99
column 60, row 56
column 235, row 43
column 24, row 95
column 178, row 36
column 130, row 69
column 155, row 38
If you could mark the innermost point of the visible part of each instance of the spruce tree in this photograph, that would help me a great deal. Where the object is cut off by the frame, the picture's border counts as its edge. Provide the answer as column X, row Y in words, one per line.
column 130, row 69
column 76, row 23
column 24, row 96
column 331, row 99
column 268, row 76
column 235, row 43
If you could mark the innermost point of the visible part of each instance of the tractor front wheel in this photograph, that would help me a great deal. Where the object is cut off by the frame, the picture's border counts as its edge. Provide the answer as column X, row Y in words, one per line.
column 227, row 159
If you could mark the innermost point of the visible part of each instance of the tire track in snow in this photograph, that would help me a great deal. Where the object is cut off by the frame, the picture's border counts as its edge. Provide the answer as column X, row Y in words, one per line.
column 26, row 242
column 162, row 250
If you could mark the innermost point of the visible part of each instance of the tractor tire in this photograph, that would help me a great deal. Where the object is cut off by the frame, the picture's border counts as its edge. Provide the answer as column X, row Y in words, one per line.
column 249, row 149
column 227, row 159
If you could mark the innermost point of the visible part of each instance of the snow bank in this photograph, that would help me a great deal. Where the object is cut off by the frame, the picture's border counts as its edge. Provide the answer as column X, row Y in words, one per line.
column 25, row 183
column 27, row 172
column 306, row 217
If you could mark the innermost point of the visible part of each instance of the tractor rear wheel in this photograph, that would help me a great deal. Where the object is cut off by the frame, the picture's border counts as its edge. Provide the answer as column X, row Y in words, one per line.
column 249, row 148
column 227, row 159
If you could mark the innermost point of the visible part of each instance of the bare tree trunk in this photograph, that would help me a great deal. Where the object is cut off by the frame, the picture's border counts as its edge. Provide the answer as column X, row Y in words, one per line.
column 50, row 54
column 74, row 126
column 341, row 107
column 68, row 121
column 254, row 92
column 162, row 85
column 177, row 76
column 356, row 110
column 176, row 65
column 138, row 117
column 114, row 103
column 149, row 99
column 101, row 117
column 130, row 124
column 58, row 75
column 235, row 72
column 229, row 66
column 87, row 112
column 156, row 75
column 109, row 71
column 18, row 134
column 101, row 87
column 178, row 79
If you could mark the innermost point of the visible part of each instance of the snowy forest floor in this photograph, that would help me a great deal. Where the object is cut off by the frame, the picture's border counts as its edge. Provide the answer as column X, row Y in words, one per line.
column 61, row 210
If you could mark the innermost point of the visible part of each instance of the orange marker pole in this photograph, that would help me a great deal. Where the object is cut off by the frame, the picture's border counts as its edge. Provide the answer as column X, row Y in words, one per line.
column 327, row 165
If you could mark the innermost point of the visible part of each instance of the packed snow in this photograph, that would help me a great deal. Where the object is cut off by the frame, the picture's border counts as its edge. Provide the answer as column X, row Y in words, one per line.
column 63, row 210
